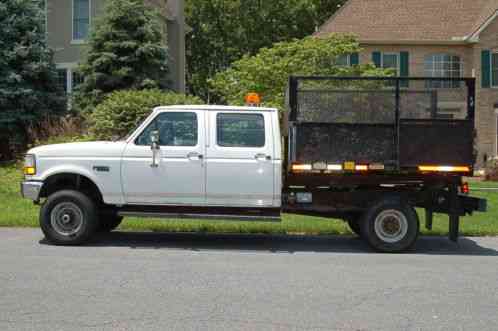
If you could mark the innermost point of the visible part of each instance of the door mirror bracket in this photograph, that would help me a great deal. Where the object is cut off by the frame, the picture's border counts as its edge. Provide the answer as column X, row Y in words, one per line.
column 154, row 138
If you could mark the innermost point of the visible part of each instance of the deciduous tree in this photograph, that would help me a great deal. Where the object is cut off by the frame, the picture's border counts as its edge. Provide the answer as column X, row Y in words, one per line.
column 268, row 71
column 225, row 30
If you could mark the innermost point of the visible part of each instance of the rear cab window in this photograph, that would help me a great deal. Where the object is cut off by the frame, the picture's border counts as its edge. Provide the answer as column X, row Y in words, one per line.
column 240, row 130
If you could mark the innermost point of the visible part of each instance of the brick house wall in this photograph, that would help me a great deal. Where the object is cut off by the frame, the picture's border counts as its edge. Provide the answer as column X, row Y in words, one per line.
column 415, row 29
column 486, row 98
column 470, row 55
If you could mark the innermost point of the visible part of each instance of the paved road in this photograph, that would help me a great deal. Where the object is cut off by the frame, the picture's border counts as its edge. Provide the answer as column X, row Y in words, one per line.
column 146, row 281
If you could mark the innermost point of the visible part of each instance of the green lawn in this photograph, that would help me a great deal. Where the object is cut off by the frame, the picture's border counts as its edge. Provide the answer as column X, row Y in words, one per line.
column 17, row 212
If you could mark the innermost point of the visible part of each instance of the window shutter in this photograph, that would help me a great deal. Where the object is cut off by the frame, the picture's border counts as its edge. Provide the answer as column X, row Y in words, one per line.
column 404, row 63
column 404, row 67
column 486, row 68
column 376, row 58
column 354, row 59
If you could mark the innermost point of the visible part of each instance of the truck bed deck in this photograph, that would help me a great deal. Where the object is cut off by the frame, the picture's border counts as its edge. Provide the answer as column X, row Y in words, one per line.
column 388, row 125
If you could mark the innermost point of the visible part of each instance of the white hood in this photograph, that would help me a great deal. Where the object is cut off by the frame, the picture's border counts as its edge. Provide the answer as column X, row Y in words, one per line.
column 82, row 149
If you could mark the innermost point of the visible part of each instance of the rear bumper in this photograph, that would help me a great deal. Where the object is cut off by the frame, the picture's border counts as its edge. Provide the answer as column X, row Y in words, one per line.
column 31, row 190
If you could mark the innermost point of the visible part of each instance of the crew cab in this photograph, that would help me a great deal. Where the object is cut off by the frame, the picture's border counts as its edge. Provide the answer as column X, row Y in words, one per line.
column 227, row 162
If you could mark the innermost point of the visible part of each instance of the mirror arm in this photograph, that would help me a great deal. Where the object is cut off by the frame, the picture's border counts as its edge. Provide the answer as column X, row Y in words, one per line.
column 154, row 148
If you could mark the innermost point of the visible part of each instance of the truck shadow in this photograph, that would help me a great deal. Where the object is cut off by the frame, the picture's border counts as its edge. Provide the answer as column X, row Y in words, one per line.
column 281, row 243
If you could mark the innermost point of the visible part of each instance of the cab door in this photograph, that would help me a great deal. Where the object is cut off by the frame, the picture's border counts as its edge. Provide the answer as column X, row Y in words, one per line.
column 239, row 165
column 177, row 176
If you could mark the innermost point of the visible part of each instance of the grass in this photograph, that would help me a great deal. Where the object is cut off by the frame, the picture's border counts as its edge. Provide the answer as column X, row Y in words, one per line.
column 18, row 212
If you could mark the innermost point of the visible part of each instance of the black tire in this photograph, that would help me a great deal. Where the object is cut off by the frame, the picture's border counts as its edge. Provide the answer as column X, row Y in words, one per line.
column 109, row 222
column 68, row 218
column 390, row 226
column 354, row 225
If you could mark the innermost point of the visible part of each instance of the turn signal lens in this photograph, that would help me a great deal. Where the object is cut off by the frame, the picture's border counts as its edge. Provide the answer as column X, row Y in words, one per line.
column 29, row 165
column 29, row 171
column 443, row 169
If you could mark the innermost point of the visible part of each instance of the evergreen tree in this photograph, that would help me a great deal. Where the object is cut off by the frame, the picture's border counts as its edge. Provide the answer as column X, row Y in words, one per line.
column 127, row 50
column 28, row 78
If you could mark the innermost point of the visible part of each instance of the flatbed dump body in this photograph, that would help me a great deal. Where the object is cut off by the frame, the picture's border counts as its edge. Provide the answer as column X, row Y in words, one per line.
column 393, row 125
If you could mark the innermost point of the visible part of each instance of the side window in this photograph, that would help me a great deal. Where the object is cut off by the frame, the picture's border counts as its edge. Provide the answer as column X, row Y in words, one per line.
column 175, row 129
column 240, row 130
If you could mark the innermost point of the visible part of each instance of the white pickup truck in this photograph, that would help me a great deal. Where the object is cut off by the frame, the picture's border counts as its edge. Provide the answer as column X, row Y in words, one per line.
column 224, row 162
column 191, row 156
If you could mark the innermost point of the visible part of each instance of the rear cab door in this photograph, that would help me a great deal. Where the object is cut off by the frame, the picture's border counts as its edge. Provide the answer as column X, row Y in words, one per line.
column 239, row 158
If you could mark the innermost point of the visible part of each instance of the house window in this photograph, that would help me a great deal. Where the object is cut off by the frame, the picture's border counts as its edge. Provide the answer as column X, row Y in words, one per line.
column 494, row 69
column 443, row 66
column 391, row 61
column 343, row 61
column 81, row 19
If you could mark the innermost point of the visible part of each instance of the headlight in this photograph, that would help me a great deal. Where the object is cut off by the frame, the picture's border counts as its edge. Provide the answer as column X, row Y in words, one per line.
column 29, row 165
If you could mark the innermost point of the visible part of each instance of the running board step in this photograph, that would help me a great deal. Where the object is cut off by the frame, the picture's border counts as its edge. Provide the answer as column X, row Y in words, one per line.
column 207, row 213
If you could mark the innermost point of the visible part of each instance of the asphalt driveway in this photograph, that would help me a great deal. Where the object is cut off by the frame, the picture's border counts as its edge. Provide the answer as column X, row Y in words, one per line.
column 147, row 281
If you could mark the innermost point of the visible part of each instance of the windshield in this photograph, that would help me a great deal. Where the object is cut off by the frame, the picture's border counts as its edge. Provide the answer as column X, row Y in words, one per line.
column 125, row 137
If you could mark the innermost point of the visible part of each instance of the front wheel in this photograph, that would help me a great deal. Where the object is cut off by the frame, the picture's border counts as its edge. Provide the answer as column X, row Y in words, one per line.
column 68, row 218
column 390, row 226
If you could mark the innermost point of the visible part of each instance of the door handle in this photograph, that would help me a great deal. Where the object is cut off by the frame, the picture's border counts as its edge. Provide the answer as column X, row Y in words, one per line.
column 262, row 157
column 195, row 156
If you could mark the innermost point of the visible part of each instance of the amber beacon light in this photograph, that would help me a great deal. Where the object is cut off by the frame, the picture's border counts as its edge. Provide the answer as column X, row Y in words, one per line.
column 253, row 99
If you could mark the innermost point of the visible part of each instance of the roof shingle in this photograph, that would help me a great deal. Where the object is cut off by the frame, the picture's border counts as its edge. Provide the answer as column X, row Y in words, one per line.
column 410, row 20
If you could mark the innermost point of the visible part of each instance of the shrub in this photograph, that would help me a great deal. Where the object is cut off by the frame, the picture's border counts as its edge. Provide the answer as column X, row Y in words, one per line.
column 57, row 131
column 492, row 170
column 122, row 111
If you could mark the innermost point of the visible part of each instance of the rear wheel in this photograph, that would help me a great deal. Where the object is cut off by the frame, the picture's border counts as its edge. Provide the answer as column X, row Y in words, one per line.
column 68, row 218
column 390, row 226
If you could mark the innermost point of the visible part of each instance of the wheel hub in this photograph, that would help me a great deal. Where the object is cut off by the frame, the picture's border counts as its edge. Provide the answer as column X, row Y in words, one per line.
column 66, row 218
column 391, row 226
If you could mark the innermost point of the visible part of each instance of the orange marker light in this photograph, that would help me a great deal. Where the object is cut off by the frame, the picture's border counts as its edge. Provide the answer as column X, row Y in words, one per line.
column 443, row 169
column 302, row 167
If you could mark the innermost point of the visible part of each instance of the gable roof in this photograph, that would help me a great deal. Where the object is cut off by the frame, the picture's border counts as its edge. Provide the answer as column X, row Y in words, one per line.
column 411, row 20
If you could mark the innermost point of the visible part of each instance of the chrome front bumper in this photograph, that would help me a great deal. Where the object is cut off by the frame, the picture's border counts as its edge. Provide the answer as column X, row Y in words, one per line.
column 31, row 190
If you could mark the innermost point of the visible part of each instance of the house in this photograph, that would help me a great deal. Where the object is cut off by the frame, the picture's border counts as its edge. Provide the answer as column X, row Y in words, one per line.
column 68, row 23
column 431, row 38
